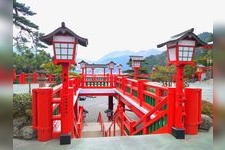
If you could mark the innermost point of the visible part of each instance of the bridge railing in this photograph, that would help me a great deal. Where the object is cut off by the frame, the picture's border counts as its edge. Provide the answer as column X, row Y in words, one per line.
column 101, row 122
column 24, row 78
column 78, row 123
column 46, row 112
column 97, row 81
column 157, row 99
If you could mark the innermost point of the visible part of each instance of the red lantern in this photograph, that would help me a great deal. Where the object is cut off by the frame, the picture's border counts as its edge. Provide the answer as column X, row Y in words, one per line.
column 180, row 50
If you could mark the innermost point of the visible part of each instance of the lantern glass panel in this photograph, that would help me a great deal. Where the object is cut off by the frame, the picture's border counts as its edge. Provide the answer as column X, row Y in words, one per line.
column 71, row 46
column 185, row 53
column 172, row 54
column 64, row 46
column 70, row 51
column 57, row 51
column 136, row 63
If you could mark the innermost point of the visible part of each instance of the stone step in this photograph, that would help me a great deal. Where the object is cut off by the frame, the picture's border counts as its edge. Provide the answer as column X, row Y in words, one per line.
column 93, row 129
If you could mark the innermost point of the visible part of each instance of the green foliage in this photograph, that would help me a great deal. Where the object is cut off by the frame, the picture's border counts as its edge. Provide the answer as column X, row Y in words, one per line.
column 28, row 34
column 163, row 73
column 57, row 69
column 155, row 60
column 188, row 71
column 28, row 61
column 22, row 104
column 52, row 68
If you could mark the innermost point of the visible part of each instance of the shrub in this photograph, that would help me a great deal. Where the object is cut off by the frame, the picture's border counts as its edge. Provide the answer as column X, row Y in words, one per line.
column 22, row 104
column 207, row 108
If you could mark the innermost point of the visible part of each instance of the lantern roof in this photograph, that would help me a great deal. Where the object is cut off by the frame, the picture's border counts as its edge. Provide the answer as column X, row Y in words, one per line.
column 184, row 35
column 63, row 30
column 141, row 58
column 82, row 61
column 111, row 62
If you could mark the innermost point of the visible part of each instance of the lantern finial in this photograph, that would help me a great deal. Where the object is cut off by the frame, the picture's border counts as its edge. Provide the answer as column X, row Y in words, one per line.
column 63, row 24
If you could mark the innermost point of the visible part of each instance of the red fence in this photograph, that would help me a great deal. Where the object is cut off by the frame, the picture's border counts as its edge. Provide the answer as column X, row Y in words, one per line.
column 47, row 114
column 25, row 78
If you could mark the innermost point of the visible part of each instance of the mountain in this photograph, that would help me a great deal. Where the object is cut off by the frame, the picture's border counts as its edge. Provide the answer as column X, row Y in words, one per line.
column 122, row 57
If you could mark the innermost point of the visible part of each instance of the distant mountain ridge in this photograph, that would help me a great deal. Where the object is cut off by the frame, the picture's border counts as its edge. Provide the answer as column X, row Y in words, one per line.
column 122, row 57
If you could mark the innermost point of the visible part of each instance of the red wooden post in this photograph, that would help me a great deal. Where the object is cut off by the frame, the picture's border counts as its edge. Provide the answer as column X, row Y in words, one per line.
column 124, row 82
column 170, row 108
column 132, row 127
column 141, row 91
column 70, row 111
column 192, row 106
column 44, row 113
column 121, row 121
column 111, row 81
column 34, row 78
column 136, row 73
column 145, row 129
column 65, row 127
column 114, row 128
column 179, row 103
column 34, row 109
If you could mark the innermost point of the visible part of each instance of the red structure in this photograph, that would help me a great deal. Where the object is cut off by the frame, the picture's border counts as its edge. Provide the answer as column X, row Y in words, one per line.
column 160, row 109
column 64, row 43
column 136, row 64
column 180, row 51
column 22, row 78
column 119, row 67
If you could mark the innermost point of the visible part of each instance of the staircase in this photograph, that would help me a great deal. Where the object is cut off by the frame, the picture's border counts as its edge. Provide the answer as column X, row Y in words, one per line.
column 93, row 129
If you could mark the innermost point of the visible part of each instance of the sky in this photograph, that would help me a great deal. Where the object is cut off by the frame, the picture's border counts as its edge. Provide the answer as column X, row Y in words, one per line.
column 113, row 25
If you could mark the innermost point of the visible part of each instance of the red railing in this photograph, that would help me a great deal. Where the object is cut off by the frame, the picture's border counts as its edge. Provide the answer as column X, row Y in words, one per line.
column 24, row 78
column 112, row 127
column 78, row 123
column 157, row 99
column 154, row 105
column 97, row 81
column 101, row 122
column 46, row 113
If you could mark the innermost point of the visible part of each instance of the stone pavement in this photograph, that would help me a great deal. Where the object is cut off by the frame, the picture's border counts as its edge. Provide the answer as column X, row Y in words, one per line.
column 202, row 141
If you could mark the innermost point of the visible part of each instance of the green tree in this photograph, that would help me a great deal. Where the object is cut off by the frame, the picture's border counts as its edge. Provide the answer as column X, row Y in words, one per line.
column 163, row 73
column 57, row 69
column 27, row 62
column 28, row 31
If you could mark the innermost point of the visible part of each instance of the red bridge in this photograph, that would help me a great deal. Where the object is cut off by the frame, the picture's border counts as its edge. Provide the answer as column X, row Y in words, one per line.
column 152, row 103
column 161, row 109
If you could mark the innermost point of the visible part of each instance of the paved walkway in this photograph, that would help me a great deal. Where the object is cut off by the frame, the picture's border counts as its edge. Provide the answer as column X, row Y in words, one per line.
column 202, row 141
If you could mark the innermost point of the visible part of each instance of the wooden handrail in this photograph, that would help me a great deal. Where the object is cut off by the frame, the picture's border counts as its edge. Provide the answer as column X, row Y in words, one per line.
column 78, row 124
column 100, row 120
column 157, row 107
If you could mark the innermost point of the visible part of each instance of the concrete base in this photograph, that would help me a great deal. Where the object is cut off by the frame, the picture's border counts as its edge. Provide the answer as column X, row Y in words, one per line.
column 178, row 133
column 201, row 141
column 65, row 139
